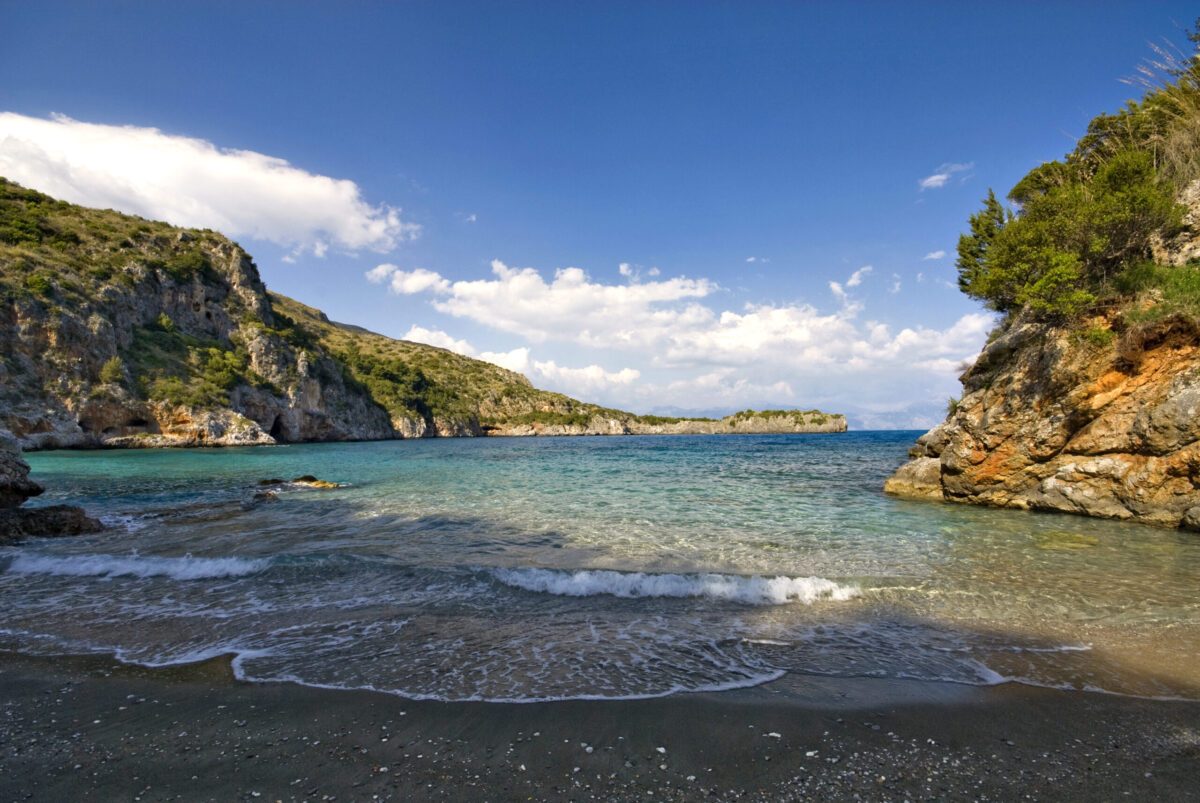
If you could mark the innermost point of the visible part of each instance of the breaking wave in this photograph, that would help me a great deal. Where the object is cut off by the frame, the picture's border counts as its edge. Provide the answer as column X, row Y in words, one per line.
column 735, row 588
column 182, row 568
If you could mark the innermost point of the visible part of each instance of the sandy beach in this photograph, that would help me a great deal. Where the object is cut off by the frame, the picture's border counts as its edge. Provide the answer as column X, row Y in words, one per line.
column 89, row 728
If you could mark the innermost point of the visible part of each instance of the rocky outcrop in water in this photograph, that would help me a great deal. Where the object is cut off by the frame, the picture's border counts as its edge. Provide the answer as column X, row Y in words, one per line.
column 15, row 487
column 1081, row 420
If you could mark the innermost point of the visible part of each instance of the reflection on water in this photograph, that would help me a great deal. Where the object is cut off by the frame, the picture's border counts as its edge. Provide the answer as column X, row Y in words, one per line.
column 594, row 567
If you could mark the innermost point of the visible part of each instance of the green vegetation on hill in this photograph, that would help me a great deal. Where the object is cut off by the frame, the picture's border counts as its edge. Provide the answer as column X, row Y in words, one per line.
column 815, row 417
column 60, row 253
column 409, row 379
column 144, row 318
column 1079, row 236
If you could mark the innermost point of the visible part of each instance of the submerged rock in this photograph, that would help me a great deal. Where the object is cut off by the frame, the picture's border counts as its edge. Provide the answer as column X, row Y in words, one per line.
column 45, row 522
column 306, row 480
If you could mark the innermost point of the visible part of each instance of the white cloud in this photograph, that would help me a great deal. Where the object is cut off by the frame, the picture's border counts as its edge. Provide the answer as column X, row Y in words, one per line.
column 943, row 174
column 582, row 381
column 407, row 282
column 572, row 306
column 688, row 353
column 939, row 254
column 515, row 360
column 192, row 182
column 436, row 337
column 381, row 273
column 895, row 288
column 585, row 382
column 634, row 272
column 856, row 278
column 757, row 259
column 664, row 320
column 472, row 218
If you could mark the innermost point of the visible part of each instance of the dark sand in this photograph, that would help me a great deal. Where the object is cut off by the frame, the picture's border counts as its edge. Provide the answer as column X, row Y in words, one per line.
column 92, row 729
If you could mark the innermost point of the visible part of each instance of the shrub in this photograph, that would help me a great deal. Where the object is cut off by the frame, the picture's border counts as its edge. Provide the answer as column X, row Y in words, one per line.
column 185, row 266
column 40, row 284
column 113, row 371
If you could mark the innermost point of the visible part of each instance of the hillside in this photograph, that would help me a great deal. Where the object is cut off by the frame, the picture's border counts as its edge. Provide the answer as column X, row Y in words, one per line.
column 1085, row 399
column 122, row 332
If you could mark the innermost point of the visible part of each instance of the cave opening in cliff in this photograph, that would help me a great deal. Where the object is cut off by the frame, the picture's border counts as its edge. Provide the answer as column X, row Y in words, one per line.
column 277, row 432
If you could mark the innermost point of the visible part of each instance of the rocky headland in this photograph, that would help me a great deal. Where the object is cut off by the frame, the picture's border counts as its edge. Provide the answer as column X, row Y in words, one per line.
column 1086, row 399
column 120, row 332
column 1052, row 420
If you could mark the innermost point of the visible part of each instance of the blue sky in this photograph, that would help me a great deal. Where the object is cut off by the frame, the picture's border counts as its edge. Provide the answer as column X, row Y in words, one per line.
column 744, row 161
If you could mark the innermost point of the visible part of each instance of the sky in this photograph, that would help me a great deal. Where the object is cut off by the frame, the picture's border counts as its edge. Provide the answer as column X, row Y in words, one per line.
column 677, row 208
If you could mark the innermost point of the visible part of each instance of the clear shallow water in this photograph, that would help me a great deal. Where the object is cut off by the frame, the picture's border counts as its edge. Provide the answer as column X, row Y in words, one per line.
column 523, row 569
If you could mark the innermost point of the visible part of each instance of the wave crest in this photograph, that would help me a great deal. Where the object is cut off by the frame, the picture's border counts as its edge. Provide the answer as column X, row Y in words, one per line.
column 183, row 568
column 754, row 590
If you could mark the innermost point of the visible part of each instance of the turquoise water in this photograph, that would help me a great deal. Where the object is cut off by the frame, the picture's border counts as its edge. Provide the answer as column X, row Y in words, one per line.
column 523, row 569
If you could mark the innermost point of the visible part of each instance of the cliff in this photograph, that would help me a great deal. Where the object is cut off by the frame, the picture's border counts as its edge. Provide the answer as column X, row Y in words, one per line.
column 121, row 332
column 1058, row 418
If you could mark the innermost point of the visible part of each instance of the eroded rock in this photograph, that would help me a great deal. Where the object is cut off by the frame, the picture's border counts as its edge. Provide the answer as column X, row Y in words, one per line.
column 1049, row 421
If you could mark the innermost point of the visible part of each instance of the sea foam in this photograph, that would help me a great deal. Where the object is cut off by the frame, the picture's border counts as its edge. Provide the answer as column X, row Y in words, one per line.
column 181, row 568
column 750, row 590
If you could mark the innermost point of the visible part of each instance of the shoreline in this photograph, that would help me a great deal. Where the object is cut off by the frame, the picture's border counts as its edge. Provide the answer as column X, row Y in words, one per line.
column 90, row 727
column 126, row 447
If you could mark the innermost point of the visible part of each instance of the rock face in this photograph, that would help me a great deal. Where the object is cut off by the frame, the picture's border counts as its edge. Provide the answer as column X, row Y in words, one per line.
column 1053, row 420
column 15, row 487
column 55, row 396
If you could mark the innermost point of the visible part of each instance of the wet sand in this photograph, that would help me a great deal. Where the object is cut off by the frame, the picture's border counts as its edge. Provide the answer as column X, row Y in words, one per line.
column 89, row 728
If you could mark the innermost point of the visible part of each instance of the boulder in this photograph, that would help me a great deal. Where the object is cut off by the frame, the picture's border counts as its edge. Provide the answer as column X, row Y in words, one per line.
column 44, row 522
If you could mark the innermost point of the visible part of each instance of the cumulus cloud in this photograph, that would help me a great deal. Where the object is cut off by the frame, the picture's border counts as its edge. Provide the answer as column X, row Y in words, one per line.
column 666, row 321
column 582, row 381
column 939, row 254
column 588, row 381
column 687, row 353
column 943, row 174
column 407, row 282
column 570, row 306
column 193, row 182
column 436, row 337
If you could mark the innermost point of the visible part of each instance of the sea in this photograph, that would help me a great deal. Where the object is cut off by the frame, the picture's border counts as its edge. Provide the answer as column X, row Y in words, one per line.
column 533, row 569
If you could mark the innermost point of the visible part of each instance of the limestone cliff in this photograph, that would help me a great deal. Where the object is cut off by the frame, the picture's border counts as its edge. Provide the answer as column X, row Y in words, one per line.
column 1070, row 419
column 121, row 332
